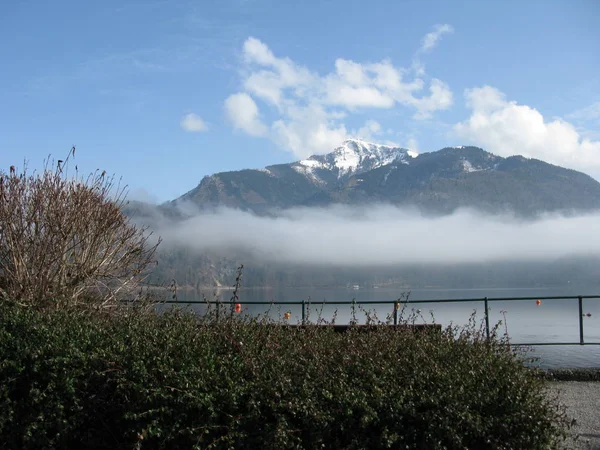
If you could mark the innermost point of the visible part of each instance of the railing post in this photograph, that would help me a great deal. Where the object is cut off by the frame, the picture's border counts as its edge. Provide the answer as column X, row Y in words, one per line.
column 580, row 320
column 487, row 318
column 396, row 303
column 303, row 312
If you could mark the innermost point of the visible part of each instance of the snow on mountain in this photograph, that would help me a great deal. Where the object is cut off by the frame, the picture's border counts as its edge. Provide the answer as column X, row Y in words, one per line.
column 468, row 167
column 267, row 171
column 387, row 175
column 354, row 156
column 308, row 171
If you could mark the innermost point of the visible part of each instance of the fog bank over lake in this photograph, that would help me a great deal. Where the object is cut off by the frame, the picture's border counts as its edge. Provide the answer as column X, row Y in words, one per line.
column 383, row 235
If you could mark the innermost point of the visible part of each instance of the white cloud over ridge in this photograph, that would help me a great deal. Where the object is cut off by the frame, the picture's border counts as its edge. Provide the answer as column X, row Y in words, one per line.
column 193, row 123
column 431, row 39
column 369, row 131
column 589, row 113
column 243, row 113
column 506, row 128
column 348, row 236
column 310, row 108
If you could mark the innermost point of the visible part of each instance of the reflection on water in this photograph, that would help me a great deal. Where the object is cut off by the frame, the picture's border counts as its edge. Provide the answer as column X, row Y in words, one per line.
column 526, row 321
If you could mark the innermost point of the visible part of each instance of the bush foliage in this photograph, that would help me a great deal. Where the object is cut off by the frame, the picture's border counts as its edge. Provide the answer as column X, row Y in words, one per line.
column 177, row 380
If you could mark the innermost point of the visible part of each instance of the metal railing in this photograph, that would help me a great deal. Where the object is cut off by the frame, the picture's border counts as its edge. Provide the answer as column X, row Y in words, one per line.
column 404, row 301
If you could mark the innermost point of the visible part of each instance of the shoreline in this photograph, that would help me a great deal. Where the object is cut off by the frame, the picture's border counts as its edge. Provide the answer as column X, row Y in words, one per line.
column 569, row 374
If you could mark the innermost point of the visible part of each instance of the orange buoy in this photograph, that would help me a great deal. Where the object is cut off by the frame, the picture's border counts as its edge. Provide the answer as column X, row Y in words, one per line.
column 538, row 302
column 238, row 307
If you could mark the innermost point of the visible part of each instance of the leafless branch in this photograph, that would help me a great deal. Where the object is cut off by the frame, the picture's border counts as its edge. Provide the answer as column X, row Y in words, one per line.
column 64, row 240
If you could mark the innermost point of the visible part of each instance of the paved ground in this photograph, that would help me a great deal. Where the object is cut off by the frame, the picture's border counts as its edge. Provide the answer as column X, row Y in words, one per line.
column 582, row 400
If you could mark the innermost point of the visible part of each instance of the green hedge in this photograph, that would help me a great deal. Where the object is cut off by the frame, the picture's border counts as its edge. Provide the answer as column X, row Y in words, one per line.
column 73, row 380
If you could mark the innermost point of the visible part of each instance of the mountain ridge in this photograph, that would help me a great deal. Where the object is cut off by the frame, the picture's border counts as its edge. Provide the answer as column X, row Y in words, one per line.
column 436, row 182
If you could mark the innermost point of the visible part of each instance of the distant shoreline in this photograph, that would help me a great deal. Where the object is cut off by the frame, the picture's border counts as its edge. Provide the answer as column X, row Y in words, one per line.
column 188, row 288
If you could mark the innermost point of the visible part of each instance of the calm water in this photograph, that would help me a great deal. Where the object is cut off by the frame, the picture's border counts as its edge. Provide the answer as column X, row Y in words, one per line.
column 551, row 321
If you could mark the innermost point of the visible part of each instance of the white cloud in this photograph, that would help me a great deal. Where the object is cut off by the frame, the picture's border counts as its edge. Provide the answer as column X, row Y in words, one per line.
column 243, row 114
column 283, row 73
column 353, row 97
column 308, row 110
column 369, row 131
column 256, row 51
column 440, row 98
column 431, row 39
column 378, row 85
column 507, row 128
column 193, row 123
column 413, row 145
column 308, row 130
column 352, row 73
column 589, row 113
column 266, row 86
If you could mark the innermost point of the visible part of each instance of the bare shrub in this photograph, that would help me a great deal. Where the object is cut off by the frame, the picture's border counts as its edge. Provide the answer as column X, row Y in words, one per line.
column 64, row 240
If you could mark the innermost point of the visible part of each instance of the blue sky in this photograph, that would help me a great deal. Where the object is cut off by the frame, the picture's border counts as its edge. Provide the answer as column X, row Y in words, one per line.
column 165, row 92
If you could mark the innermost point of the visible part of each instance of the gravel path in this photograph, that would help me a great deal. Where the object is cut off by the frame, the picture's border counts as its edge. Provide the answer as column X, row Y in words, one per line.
column 582, row 400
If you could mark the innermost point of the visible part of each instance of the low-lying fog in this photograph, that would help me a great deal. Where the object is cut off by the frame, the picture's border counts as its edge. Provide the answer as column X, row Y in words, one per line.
column 383, row 235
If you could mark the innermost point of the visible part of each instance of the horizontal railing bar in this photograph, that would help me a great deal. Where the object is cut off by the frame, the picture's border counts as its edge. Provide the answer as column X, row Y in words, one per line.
column 228, row 303
column 377, row 302
column 532, row 344
column 498, row 299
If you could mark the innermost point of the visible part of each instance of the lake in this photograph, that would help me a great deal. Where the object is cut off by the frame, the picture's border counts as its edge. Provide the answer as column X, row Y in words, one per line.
column 526, row 321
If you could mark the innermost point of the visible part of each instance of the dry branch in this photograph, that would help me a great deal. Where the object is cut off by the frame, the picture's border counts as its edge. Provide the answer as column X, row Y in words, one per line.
column 64, row 241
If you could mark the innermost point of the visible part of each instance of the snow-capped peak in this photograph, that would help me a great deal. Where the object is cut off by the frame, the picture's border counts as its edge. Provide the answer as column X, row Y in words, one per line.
column 356, row 156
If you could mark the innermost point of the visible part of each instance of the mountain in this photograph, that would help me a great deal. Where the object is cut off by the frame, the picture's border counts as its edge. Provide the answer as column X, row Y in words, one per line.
column 437, row 182
column 286, row 185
